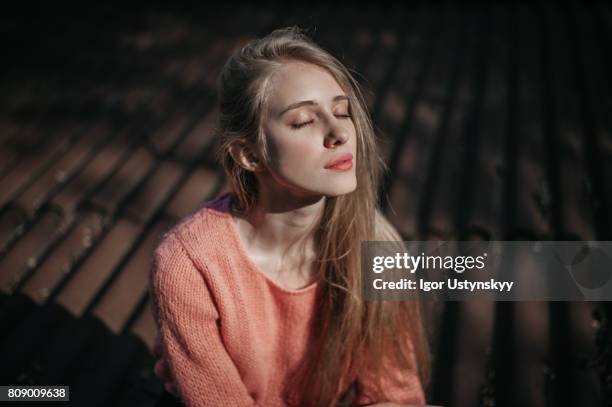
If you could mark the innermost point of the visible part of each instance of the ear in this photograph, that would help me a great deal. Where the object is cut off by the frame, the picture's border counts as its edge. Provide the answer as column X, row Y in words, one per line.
column 245, row 157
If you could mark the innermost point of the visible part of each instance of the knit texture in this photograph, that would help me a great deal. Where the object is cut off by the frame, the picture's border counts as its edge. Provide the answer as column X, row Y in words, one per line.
column 231, row 335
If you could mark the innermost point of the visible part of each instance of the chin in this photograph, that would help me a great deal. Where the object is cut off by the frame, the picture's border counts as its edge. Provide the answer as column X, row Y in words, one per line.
column 341, row 190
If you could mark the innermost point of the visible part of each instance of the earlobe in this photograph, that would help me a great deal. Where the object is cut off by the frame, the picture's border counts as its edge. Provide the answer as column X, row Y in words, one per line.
column 255, row 164
column 241, row 153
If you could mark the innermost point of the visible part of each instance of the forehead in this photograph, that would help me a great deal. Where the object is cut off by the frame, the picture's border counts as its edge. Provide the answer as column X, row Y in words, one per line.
column 296, row 81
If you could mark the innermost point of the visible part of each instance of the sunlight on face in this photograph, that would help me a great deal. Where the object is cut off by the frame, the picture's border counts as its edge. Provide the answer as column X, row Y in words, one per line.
column 308, row 125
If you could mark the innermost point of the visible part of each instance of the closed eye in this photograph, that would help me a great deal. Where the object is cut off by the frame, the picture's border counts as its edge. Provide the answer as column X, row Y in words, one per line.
column 300, row 125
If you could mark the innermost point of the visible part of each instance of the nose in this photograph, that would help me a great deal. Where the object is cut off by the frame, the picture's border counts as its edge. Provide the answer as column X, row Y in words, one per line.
column 337, row 134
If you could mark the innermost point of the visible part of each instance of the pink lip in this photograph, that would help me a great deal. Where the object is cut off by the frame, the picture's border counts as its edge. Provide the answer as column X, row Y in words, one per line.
column 345, row 161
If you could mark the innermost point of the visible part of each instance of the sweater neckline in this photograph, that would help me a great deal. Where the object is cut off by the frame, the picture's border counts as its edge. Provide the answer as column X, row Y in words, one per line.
column 239, row 245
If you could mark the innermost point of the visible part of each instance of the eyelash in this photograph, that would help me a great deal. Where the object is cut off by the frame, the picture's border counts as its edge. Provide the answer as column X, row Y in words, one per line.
column 300, row 125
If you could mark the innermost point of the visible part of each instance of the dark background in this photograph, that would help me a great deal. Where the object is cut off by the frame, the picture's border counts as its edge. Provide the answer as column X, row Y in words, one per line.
column 495, row 121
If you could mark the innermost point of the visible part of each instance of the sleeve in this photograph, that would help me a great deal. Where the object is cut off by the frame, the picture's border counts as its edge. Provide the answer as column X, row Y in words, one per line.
column 407, row 389
column 187, row 319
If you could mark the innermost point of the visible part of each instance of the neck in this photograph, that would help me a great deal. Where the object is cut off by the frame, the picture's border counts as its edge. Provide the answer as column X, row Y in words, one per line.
column 283, row 227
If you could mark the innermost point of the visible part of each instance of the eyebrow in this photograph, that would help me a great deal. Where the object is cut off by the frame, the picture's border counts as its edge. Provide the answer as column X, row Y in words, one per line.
column 310, row 102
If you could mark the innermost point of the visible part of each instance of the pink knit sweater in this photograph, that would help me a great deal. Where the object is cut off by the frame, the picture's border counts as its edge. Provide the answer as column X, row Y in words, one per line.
column 233, row 336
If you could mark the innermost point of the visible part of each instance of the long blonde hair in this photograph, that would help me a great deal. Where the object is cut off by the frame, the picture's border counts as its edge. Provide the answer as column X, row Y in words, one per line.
column 352, row 335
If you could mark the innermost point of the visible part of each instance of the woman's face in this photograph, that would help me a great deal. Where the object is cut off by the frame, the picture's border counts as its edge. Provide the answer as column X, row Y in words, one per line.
column 308, row 125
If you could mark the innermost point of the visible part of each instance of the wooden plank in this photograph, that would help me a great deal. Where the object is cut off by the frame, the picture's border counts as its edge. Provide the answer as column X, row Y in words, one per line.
column 85, row 283
column 121, row 298
column 25, row 255
column 87, row 230
column 147, row 200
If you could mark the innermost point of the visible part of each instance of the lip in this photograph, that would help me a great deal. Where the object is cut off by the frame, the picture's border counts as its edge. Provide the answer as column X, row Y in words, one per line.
column 345, row 161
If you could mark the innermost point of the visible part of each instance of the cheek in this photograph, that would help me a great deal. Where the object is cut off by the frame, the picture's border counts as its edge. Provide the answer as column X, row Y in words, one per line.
column 297, row 154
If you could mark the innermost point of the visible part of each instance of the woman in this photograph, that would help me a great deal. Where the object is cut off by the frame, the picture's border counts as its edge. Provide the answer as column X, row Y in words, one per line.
column 257, row 294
